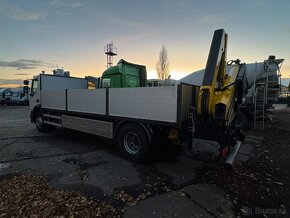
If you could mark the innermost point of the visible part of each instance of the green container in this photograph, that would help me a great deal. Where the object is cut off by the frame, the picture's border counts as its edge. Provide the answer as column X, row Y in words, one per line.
column 125, row 74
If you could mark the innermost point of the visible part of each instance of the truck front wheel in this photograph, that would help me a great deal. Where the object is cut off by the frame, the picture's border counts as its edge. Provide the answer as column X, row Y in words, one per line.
column 39, row 122
column 133, row 143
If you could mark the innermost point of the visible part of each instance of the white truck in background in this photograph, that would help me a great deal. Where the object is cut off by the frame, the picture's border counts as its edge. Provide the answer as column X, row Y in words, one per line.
column 5, row 96
column 19, row 97
column 13, row 96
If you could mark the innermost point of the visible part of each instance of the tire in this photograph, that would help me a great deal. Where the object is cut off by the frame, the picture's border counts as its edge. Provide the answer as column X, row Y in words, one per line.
column 133, row 143
column 39, row 122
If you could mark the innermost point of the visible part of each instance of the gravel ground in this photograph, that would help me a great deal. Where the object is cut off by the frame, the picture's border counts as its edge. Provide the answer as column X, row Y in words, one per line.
column 61, row 174
column 259, row 187
column 30, row 196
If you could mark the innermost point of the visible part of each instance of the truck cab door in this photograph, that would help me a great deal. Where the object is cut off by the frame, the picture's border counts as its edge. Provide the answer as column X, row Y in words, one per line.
column 34, row 93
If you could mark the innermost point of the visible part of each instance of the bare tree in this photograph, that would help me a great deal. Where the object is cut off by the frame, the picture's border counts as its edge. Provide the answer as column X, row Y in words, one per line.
column 162, row 66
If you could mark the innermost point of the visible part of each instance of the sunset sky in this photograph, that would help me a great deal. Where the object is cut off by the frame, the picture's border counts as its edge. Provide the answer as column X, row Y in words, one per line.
column 39, row 35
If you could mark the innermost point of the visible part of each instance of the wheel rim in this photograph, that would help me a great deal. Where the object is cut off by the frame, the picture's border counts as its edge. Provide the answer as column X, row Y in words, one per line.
column 132, row 143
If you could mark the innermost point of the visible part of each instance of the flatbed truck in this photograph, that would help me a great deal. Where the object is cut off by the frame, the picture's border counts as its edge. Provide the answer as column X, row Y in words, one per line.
column 137, row 116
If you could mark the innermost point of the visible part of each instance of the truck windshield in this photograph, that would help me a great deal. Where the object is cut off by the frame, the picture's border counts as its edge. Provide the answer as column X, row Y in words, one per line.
column 34, row 86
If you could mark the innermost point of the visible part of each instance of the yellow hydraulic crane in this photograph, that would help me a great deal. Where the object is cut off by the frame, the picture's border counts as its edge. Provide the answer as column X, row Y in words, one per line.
column 219, row 97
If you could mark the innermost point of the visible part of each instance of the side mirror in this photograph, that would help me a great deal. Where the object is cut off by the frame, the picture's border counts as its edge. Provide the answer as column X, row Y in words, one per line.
column 25, row 89
column 26, row 82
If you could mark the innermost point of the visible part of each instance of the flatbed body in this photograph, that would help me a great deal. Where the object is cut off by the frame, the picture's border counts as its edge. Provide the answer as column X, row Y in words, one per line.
column 67, row 102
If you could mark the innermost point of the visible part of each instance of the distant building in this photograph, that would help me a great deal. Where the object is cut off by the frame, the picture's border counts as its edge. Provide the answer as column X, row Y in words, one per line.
column 284, row 91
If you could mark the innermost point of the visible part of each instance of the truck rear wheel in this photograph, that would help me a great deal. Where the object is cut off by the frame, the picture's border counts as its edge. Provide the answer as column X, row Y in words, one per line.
column 133, row 143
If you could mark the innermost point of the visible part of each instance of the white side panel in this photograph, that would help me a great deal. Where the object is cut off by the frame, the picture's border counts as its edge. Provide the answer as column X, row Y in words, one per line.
column 150, row 103
column 87, row 100
column 50, row 82
column 53, row 99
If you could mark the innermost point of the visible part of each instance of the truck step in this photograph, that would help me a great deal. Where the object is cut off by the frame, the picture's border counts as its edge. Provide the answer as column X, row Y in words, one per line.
column 52, row 123
column 52, row 116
